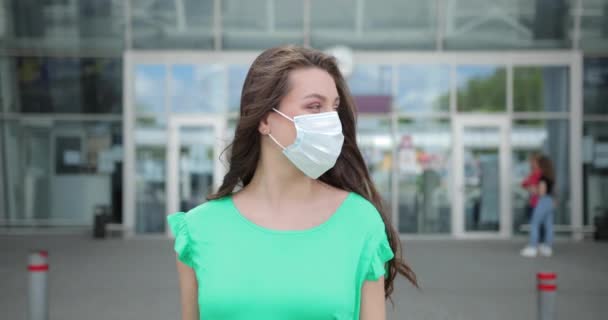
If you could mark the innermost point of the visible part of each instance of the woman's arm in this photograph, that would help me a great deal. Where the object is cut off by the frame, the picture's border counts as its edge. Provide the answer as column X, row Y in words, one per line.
column 373, row 306
column 188, row 288
column 533, row 189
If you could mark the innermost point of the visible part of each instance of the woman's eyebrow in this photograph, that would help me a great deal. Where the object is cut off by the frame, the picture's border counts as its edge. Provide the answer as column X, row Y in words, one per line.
column 316, row 95
column 320, row 97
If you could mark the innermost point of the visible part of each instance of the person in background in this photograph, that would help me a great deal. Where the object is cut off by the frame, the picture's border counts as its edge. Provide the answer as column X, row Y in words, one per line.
column 543, row 212
column 530, row 183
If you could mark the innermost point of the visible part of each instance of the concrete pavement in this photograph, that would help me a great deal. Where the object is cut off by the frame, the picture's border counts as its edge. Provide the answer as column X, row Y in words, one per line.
column 468, row 280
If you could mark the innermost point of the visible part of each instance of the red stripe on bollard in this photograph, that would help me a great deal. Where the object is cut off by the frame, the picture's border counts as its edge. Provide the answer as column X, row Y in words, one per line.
column 38, row 268
column 547, row 287
column 546, row 276
column 44, row 254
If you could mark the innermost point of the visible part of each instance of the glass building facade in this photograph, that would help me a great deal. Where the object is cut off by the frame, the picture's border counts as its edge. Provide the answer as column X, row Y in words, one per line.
column 129, row 104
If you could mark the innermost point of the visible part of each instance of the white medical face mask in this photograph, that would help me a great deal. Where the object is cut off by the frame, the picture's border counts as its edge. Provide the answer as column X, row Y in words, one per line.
column 318, row 142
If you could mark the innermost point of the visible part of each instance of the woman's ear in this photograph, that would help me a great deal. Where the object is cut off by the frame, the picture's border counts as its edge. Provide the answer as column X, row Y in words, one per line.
column 264, row 127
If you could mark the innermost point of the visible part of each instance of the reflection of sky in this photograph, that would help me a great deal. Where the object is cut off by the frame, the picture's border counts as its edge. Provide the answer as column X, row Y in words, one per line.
column 420, row 87
column 236, row 78
column 213, row 88
column 371, row 80
column 149, row 87
column 466, row 73
column 198, row 88
column 194, row 88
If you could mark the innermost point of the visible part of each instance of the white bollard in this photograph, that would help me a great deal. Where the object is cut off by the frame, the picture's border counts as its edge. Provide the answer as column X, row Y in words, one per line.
column 547, row 290
column 38, row 269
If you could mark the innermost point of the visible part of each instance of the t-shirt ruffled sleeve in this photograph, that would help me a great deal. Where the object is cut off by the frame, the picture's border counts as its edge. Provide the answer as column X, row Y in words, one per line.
column 179, row 227
column 378, row 253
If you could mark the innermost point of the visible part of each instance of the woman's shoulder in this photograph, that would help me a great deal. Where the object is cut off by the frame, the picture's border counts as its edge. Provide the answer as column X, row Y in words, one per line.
column 211, row 209
column 363, row 211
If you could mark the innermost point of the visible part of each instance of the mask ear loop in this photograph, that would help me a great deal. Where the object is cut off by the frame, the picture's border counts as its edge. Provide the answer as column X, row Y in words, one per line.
column 270, row 135
column 282, row 114
column 275, row 141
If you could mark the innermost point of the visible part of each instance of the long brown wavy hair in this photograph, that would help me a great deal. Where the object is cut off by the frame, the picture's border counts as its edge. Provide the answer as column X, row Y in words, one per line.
column 546, row 168
column 265, row 86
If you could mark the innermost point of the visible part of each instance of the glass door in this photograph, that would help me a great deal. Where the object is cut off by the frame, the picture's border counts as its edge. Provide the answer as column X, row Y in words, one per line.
column 194, row 169
column 481, row 201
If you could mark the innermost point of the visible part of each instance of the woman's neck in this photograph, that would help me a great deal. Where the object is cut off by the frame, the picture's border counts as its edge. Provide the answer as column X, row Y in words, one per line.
column 280, row 180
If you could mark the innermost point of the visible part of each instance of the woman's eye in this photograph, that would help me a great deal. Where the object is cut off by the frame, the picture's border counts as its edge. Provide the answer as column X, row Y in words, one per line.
column 315, row 106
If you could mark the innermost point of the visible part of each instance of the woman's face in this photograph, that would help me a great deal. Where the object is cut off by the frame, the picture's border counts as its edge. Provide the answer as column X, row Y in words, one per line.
column 311, row 90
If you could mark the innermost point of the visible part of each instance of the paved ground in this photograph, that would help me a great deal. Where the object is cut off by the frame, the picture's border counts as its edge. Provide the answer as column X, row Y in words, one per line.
column 468, row 280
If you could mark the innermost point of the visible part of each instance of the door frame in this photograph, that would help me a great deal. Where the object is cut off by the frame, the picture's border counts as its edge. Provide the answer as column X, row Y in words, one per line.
column 175, row 123
column 502, row 122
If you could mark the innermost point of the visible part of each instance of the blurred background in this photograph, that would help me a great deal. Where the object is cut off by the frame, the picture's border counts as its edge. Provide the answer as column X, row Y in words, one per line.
column 127, row 105
column 453, row 96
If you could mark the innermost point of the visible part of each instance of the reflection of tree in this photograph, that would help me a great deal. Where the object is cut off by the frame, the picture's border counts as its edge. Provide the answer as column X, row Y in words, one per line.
column 144, row 107
column 441, row 103
column 488, row 93
column 484, row 93
column 528, row 88
column 146, row 121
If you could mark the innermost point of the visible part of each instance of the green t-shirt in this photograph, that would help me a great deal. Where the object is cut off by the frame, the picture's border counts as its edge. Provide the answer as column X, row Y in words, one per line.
column 246, row 271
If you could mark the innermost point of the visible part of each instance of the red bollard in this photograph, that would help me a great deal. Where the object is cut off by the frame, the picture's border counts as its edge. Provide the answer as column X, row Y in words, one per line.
column 38, row 269
column 547, row 290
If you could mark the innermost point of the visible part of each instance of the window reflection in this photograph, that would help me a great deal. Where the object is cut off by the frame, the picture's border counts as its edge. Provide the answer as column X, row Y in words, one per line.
column 541, row 89
column 595, row 85
column 382, row 24
column 68, row 85
column 150, row 177
column 376, row 144
column 58, row 171
column 424, row 88
column 595, row 170
column 236, row 79
column 150, row 86
column 64, row 25
column 481, row 178
column 481, row 88
column 371, row 80
column 198, row 88
column 196, row 165
column 423, row 162
column 158, row 24
column 593, row 35
column 261, row 24
column 479, row 24
column 150, row 197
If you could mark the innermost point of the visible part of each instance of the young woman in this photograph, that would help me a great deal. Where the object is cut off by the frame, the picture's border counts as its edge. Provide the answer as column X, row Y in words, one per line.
column 530, row 183
column 543, row 211
column 305, row 236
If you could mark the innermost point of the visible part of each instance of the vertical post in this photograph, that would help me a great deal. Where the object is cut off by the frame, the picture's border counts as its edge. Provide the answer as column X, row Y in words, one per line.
column 38, row 268
column 576, row 33
column 576, row 136
column 128, row 142
column 440, row 13
column 306, row 23
column 217, row 25
column 360, row 11
column 128, row 33
column 547, row 290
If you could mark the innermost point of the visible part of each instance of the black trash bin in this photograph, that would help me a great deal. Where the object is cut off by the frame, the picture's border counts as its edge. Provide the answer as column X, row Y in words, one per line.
column 601, row 228
column 100, row 221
